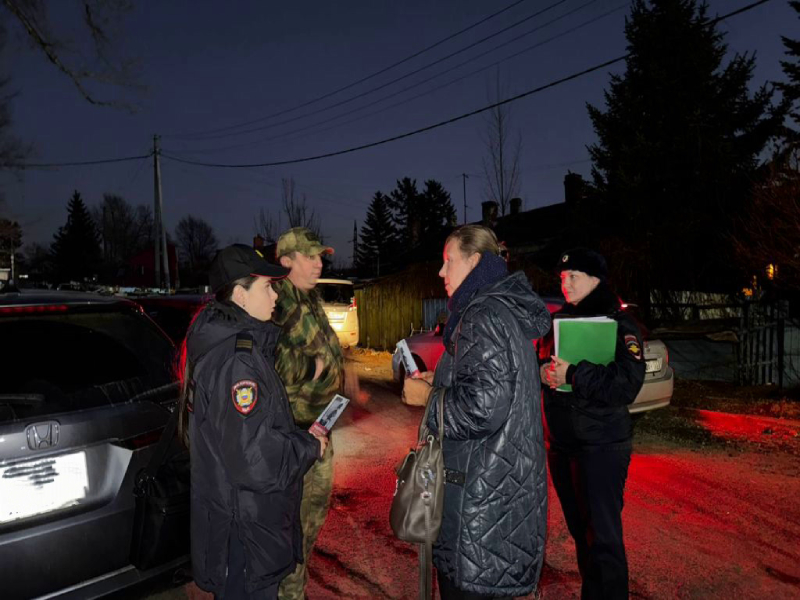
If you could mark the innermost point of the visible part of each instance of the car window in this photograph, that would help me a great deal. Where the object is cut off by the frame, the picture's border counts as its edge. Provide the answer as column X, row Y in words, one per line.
column 336, row 293
column 77, row 360
column 174, row 321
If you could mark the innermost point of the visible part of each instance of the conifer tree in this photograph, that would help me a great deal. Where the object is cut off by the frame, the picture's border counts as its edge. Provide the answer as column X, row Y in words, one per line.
column 76, row 246
column 377, row 247
column 678, row 146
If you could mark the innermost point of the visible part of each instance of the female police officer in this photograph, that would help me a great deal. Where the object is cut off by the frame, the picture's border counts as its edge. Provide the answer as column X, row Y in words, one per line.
column 590, row 428
column 248, row 457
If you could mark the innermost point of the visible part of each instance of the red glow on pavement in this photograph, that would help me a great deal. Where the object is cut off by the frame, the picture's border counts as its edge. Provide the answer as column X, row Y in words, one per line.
column 746, row 427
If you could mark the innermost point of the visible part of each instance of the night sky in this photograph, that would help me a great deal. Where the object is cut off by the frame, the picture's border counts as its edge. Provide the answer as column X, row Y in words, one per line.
column 213, row 65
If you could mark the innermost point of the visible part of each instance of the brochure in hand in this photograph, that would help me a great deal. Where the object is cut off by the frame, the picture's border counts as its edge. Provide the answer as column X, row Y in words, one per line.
column 593, row 339
column 333, row 411
column 409, row 363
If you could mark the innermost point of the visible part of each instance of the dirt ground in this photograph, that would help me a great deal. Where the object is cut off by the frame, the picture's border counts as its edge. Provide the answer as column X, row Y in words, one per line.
column 712, row 502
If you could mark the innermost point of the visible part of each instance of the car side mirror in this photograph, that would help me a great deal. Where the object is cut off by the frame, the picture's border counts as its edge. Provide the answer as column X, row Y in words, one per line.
column 439, row 329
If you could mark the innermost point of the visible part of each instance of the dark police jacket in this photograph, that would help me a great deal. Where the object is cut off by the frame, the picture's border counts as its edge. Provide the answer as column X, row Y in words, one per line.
column 495, row 500
column 248, row 457
column 595, row 413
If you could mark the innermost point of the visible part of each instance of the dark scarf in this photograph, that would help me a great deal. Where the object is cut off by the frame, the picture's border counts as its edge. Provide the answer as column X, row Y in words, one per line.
column 600, row 301
column 490, row 269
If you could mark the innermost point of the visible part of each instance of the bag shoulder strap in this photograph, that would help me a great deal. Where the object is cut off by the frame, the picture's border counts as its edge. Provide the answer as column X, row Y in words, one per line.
column 160, row 453
column 163, row 445
column 436, row 397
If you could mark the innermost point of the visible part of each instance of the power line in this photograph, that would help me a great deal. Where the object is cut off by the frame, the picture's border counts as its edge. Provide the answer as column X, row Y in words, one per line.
column 384, row 85
column 362, row 80
column 404, row 135
column 448, row 121
column 430, row 91
column 81, row 163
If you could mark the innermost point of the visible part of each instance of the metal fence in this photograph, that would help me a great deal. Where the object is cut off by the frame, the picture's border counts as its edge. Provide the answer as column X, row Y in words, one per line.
column 768, row 351
column 434, row 311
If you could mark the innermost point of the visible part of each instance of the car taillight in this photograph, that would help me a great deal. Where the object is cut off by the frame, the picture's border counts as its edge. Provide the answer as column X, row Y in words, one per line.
column 353, row 303
column 666, row 355
column 46, row 308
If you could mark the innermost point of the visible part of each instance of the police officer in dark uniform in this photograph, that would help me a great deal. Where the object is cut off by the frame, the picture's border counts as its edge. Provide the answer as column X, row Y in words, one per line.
column 248, row 457
column 590, row 429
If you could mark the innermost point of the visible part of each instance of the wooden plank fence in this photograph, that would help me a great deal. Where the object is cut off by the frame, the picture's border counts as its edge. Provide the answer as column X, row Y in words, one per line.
column 390, row 307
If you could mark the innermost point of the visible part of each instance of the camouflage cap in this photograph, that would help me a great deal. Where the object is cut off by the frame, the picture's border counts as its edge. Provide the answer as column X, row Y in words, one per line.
column 300, row 239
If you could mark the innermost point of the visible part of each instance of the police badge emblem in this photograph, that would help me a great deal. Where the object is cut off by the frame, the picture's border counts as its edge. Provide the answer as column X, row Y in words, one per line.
column 245, row 395
column 633, row 346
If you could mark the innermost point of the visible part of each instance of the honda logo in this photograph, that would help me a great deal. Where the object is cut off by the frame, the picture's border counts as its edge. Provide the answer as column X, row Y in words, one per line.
column 43, row 435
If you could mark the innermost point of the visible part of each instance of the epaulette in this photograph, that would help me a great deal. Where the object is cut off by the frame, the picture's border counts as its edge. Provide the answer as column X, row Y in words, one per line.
column 244, row 342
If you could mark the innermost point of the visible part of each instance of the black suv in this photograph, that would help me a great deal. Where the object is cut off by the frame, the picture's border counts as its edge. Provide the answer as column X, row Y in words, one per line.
column 86, row 387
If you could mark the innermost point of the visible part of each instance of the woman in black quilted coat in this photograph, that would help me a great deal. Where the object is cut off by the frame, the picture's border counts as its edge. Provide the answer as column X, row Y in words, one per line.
column 491, row 543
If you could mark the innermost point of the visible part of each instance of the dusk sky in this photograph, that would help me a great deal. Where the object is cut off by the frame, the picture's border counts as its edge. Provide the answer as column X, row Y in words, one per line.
column 212, row 66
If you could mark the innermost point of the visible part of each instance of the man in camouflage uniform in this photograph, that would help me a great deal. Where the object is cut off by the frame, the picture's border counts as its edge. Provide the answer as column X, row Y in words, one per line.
column 310, row 362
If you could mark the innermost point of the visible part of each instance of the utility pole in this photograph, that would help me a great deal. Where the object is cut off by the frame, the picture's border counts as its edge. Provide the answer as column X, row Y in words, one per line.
column 355, row 243
column 465, row 177
column 156, row 214
column 162, row 250
column 13, row 274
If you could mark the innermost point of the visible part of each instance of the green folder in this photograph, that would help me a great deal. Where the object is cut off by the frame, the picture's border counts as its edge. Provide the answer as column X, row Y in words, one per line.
column 585, row 338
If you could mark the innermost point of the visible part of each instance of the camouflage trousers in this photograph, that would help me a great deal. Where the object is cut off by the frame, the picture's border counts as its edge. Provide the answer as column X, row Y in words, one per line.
column 317, row 486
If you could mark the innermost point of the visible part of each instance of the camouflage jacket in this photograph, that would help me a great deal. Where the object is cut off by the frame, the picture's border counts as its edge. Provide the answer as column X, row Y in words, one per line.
column 306, row 335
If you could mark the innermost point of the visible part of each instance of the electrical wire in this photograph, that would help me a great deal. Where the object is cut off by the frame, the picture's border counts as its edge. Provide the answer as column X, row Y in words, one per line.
column 312, row 126
column 81, row 163
column 363, row 79
column 380, row 87
column 448, row 121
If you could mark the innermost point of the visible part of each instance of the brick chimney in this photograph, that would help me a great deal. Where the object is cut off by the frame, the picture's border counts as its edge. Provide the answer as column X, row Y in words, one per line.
column 489, row 213
column 574, row 188
column 515, row 205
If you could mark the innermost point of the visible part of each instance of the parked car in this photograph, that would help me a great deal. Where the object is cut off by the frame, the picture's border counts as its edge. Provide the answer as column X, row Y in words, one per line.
column 339, row 302
column 427, row 348
column 173, row 313
column 85, row 392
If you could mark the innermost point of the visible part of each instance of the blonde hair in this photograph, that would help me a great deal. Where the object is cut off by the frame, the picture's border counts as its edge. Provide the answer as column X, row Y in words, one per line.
column 475, row 238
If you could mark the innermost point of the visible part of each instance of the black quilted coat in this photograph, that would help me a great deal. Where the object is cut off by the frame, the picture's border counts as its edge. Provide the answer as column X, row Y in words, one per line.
column 495, row 502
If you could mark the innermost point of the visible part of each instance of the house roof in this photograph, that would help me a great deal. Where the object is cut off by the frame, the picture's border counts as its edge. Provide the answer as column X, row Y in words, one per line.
column 533, row 230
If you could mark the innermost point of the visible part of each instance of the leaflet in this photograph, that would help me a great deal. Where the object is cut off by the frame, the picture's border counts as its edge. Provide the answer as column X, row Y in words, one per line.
column 332, row 412
column 408, row 360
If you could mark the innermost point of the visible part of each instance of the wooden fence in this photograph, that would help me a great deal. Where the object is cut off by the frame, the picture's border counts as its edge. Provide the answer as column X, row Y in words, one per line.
column 389, row 307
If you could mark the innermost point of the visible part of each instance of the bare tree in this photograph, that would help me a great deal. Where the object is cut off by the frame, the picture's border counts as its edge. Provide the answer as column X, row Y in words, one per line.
column 296, row 210
column 501, row 166
column 125, row 230
column 12, row 151
column 268, row 226
column 85, row 69
column 36, row 260
column 196, row 241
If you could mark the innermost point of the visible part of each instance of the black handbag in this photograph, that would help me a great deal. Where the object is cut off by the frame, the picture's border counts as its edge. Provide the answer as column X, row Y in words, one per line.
column 161, row 521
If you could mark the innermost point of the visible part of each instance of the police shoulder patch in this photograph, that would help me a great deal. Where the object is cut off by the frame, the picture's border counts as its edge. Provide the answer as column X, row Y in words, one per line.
column 245, row 395
column 633, row 346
